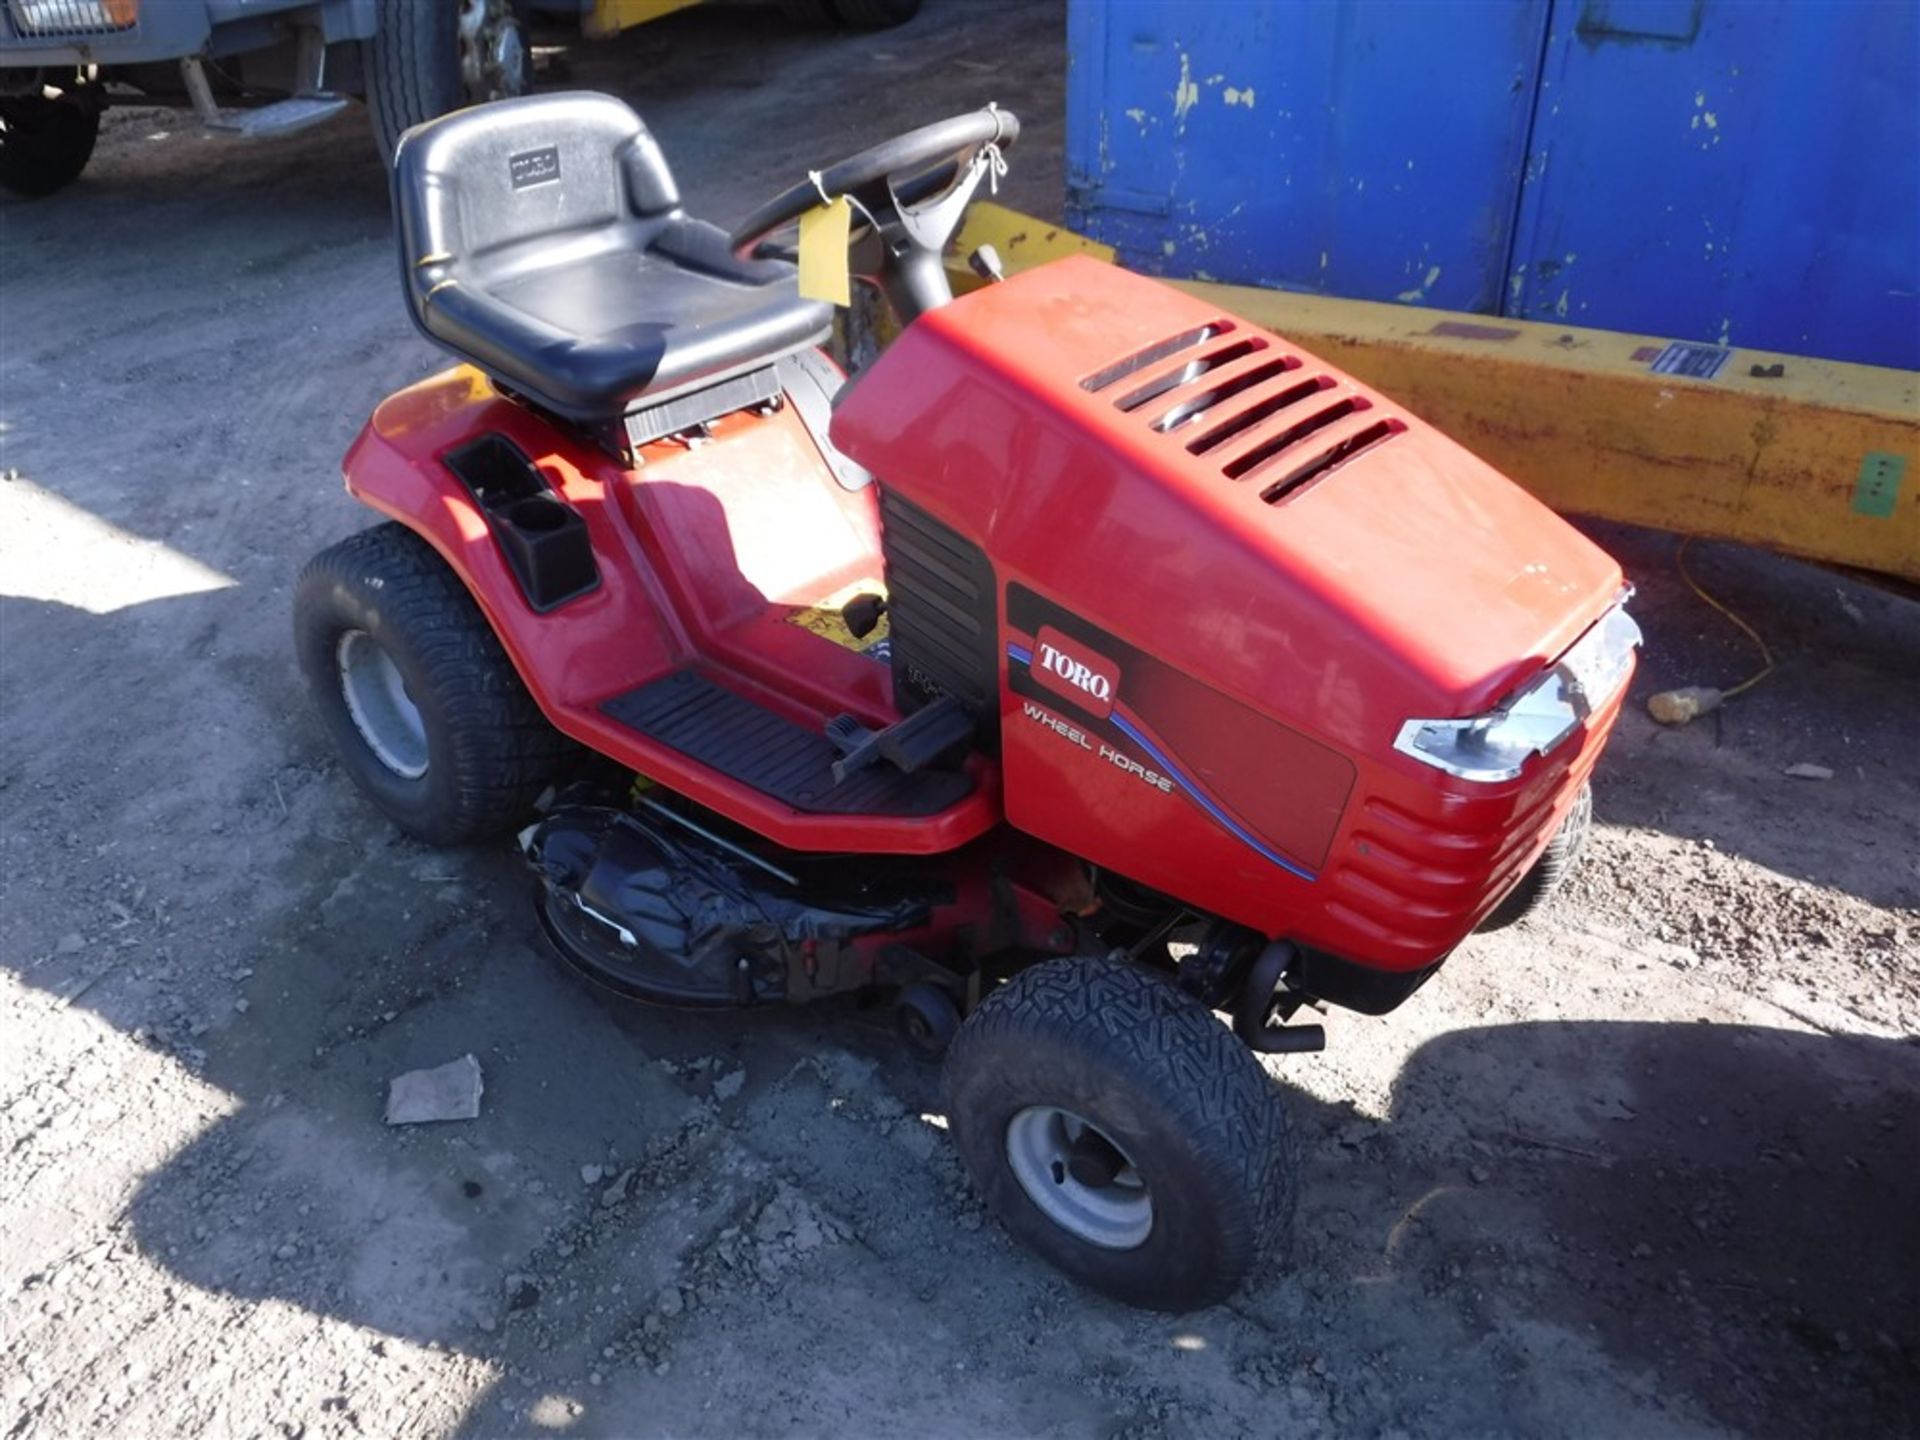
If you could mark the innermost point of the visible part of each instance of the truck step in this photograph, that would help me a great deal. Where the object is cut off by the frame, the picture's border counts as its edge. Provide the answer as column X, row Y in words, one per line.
column 282, row 117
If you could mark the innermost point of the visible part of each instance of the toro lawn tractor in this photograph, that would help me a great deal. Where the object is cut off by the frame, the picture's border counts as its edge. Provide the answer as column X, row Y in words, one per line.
column 1093, row 663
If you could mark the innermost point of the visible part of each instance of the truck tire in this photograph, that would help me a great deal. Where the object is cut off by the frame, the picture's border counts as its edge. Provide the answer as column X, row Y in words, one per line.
column 1121, row 1132
column 429, row 716
column 1551, row 870
column 44, row 143
column 428, row 57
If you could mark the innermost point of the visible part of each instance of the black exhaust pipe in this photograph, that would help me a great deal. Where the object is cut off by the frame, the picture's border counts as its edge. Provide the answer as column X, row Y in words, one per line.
column 1253, row 1011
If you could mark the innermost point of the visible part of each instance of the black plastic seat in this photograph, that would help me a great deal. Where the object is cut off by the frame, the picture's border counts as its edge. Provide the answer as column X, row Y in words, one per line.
column 542, row 239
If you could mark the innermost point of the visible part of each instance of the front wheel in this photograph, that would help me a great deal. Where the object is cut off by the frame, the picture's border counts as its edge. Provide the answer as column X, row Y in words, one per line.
column 45, row 143
column 1121, row 1132
column 428, row 713
column 1550, row 871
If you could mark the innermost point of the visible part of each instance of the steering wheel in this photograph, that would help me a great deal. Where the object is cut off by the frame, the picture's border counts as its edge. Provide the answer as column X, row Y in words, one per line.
column 908, row 196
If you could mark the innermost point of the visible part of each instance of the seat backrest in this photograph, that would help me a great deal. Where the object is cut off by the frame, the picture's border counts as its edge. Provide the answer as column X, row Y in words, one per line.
column 476, row 192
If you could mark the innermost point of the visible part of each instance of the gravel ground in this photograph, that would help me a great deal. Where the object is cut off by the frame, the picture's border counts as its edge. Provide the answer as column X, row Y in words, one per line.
column 1646, row 1165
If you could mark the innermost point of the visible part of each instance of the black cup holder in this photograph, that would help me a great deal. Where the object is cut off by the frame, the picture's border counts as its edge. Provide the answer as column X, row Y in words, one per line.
column 543, row 538
column 538, row 515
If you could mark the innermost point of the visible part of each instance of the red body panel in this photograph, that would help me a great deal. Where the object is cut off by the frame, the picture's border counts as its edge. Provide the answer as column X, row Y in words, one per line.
column 704, row 557
column 1408, row 580
column 1209, row 634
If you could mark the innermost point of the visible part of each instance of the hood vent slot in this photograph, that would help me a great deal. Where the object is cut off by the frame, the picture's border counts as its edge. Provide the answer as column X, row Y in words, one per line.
column 1153, row 354
column 1195, row 406
column 1188, row 373
column 1261, row 409
column 1301, row 476
column 1243, row 465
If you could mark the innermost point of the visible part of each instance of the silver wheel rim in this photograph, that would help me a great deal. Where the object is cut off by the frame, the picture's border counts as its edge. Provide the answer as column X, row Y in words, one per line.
column 382, row 710
column 1042, row 1142
column 493, row 53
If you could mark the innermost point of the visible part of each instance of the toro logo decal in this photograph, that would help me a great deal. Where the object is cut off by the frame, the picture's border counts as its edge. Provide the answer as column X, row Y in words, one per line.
column 534, row 167
column 1074, row 672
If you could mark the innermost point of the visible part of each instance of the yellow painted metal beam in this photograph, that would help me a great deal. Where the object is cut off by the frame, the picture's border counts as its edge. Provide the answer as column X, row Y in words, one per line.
column 609, row 17
column 1813, row 458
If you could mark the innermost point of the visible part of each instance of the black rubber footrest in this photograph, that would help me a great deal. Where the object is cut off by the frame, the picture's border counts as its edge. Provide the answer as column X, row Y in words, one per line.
column 687, row 712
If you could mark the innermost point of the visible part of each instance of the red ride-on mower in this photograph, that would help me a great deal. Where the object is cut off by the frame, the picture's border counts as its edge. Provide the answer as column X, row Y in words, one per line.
column 1095, row 662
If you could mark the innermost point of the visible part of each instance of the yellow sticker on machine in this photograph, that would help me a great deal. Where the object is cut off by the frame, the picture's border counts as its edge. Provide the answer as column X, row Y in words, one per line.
column 827, row 619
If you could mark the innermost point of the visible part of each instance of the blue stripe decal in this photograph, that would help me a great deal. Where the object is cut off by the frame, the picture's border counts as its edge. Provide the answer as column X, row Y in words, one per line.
column 1194, row 792
column 1200, row 798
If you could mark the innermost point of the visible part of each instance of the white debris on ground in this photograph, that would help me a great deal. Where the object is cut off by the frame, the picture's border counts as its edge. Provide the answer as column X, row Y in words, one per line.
column 445, row 1092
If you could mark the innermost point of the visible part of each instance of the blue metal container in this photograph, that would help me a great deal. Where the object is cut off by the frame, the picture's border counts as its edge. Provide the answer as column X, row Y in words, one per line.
column 1713, row 170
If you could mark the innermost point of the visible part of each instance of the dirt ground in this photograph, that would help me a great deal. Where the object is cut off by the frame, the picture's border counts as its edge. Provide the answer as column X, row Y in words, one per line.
column 1646, row 1166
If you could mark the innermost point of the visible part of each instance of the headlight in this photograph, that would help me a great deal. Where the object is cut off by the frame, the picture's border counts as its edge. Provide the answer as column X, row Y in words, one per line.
column 73, row 17
column 1495, row 746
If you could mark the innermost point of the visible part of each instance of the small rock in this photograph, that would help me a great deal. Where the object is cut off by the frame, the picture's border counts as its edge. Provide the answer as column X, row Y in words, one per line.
column 70, row 944
column 1478, row 1174
column 663, row 1367
column 670, row 1302
column 488, row 1324
column 241, row 1007
column 446, row 1092
column 1643, row 1251
column 729, row 1085
column 590, row 1174
column 1808, row 772
column 285, row 1252
column 617, row 1191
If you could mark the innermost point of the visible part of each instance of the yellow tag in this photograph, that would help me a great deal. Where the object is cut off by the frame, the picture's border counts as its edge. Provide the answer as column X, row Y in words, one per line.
column 823, row 252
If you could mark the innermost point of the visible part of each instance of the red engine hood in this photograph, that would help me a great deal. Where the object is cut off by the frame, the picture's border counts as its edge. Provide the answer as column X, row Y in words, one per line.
column 1229, row 499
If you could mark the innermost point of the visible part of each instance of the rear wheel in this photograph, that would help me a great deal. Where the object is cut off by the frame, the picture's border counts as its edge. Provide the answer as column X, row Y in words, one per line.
column 1551, row 870
column 429, row 715
column 45, row 143
column 1119, row 1130
column 431, row 56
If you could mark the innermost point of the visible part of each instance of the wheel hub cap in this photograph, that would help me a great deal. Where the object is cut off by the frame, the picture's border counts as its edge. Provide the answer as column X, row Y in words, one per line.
column 382, row 709
column 492, row 50
column 1079, row 1177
